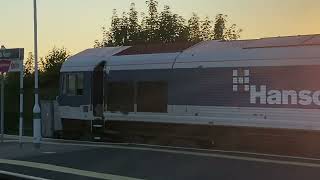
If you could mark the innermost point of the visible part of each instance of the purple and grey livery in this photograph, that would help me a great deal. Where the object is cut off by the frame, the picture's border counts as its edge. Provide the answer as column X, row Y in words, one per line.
column 245, row 94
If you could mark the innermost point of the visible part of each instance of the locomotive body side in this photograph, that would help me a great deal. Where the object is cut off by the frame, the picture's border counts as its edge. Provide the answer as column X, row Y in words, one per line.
column 252, row 95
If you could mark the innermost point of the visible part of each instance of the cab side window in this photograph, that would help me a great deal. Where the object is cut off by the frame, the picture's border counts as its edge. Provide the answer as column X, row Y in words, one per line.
column 73, row 84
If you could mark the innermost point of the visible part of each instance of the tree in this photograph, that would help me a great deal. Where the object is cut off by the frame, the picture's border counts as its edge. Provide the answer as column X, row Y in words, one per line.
column 124, row 30
column 221, row 32
column 143, row 29
column 107, row 39
column 29, row 64
column 232, row 33
column 194, row 28
column 134, row 27
column 171, row 26
column 206, row 29
column 52, row 63
column 219, row 27
column 98, row 44
column 183, row 29
column 163, row 27
column 152, row 21
column 115, row 30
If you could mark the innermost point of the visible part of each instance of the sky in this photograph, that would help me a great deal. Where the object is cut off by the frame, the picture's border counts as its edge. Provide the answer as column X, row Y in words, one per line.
column 75, row 24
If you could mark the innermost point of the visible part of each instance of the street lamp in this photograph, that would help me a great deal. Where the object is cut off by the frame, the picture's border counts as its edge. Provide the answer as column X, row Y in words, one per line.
column 36, row 108
column 2, row 103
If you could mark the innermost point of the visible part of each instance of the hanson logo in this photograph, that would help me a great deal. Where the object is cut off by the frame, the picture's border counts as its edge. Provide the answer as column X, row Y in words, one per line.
column 241, row 80
column 261, row 95
column 304, row 97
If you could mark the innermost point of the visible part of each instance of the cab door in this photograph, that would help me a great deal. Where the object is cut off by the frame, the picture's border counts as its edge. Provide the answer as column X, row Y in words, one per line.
column 98, row 90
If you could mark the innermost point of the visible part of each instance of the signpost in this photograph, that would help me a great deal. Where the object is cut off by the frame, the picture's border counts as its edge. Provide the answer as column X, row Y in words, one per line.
column 11, row 60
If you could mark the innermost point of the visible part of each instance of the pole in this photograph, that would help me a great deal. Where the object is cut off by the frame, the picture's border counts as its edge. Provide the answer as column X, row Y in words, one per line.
column 36, row 108
column 2, row 107
column 21, row 104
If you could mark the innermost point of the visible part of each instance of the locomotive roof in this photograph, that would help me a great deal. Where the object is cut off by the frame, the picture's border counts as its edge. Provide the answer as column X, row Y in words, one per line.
column 156, row 48
column 274, row 51
column 88, row 59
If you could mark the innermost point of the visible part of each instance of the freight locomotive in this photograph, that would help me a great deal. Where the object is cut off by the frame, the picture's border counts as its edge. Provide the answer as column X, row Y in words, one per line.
column 251, row 95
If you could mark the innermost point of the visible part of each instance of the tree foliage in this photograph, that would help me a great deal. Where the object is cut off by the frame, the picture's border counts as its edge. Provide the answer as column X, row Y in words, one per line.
column 194, row 28
column 51, row 65
column 219, row 26
column 53, row 61
column 29, row 64
column 152, row 21
column 164, row 26
column 134, row 28
column 171, row 26
column 48, row 65
column 206, row 29
column 222, row 32
column 232, row 33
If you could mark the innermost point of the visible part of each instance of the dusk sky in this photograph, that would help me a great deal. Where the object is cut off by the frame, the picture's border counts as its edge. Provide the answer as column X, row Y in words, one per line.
column 75, row 24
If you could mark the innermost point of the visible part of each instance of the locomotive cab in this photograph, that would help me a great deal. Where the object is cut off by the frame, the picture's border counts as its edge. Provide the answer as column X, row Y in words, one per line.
column 81, row 95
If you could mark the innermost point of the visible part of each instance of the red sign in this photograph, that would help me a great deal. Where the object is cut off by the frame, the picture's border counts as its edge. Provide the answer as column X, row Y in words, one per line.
column 4, row 65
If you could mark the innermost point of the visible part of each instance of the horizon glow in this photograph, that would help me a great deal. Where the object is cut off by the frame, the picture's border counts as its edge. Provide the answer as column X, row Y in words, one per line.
column 75, row 24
